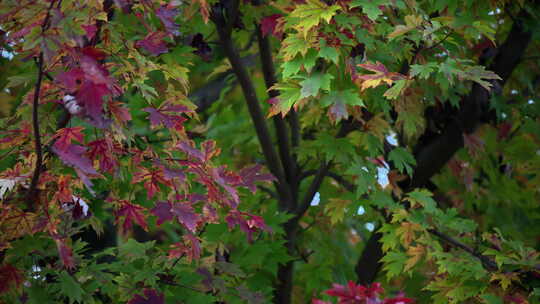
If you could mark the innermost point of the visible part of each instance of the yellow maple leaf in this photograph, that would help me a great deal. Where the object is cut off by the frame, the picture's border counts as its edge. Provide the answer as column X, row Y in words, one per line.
column 415, row 253
column 407, row 233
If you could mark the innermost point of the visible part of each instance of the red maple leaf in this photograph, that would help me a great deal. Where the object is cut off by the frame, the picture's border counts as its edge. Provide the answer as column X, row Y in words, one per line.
column 247, row 222
column 253, row 174
column 398, row 300
column 104, row 149
column 119, row 112
column 152, row 178
column 65, row 136
column 90, row 30
column 352, row 293
column 185, row 215
column 191, row 151
column 269, row 25
column 163, row 211
column 10, row 277
column 64, row 194
column 151, row 296
column 74, row 156
column 153, row 43
column 130, row 212
column 167, row 13
column 191, row 248
column 91, row 95
column 65, row 253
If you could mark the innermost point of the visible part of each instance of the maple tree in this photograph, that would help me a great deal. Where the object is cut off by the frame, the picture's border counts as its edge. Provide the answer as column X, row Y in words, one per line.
column 226, row 151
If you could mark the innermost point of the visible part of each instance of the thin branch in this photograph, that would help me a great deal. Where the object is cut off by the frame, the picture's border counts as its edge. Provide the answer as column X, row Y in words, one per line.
column 313, row 188
column 439, row 42
column 489, row 264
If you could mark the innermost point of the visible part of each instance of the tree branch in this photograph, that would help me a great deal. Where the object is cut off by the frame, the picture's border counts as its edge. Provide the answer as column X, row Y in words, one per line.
column 287, row 160
column 252, row 102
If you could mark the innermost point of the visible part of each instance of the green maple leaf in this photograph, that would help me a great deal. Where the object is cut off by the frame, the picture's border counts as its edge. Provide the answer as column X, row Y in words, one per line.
column 327, row 52
column 293, row 45
column 370, row 8
column 314, row 83
column 133, row 250
column 396, row 89
column 349, row 97
column 424, row 198
column 71, row 288
column 291, row 67
column 394, row 263
column 491, row 298
column 478, row 74
column 423, row 70
column 402, row 159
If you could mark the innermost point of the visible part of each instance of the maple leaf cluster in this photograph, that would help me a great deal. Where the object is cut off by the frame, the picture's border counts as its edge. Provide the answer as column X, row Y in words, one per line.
column 359, row 294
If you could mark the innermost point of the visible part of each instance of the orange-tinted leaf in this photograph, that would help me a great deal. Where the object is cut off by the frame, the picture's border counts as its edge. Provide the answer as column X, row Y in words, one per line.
column 381, row 75
column 65, row 253
column 65, row 136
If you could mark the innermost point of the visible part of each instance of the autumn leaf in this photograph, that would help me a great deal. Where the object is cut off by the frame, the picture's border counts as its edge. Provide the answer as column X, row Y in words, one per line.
column 185, row 215
column 204, row 9
column 191, row 248
column 152, row 179
column 153, row 43
column 253, row 174
column 407, row 233
column 382, row 75
column 104, row 151
column 130, row 213
column 10, row 277
column 415, row 253
column 65, row 252
column 167, row 13
column 74, row 156
column 311, row 14
column 167, row 115
column 270, row 25
column 65, row 136
column 163, row 211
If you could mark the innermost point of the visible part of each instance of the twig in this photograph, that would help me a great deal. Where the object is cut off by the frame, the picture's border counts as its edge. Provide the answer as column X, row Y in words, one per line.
column 487, row 262
column 32, row 191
